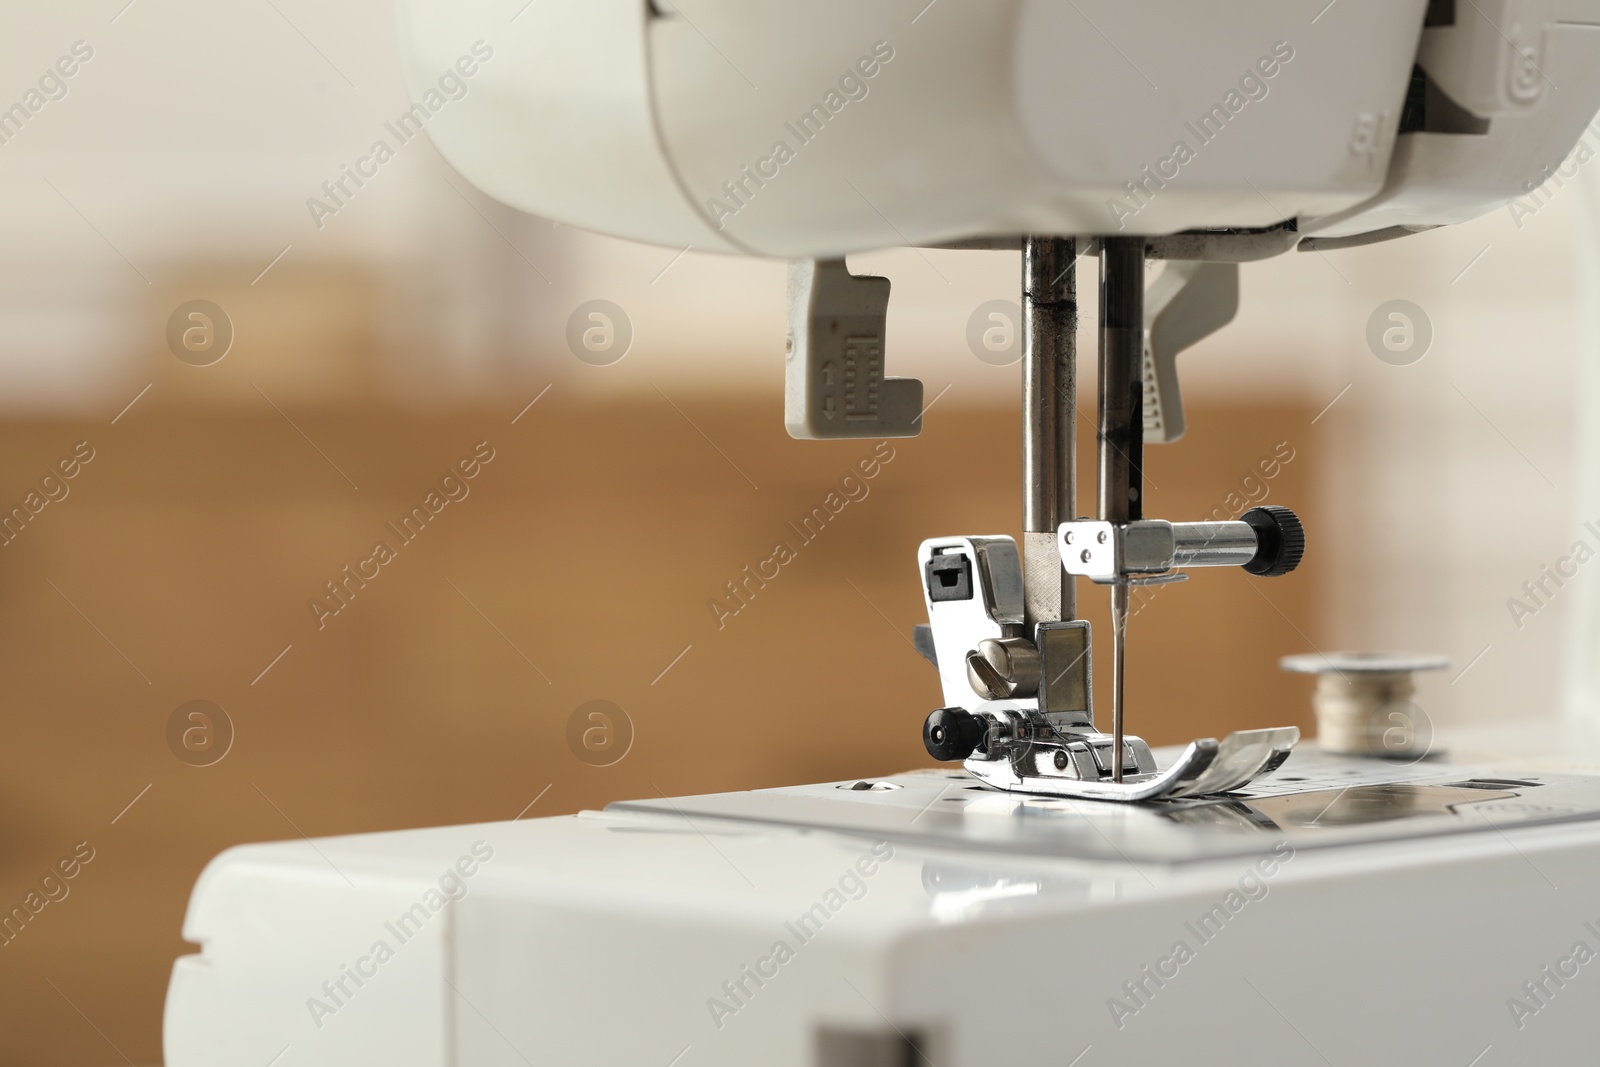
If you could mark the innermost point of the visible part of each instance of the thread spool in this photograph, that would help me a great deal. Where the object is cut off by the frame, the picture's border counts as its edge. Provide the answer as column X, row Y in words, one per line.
column 1363, row 702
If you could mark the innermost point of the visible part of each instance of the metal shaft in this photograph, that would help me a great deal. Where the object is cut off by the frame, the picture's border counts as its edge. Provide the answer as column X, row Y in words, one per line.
column 1121, row 436
column 1050, row 407
column 1121, row 440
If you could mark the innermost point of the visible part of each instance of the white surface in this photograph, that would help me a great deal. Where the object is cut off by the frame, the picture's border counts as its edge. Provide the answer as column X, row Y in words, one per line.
column 563, row 113
column 962, row 120
column 817, row 129
column 605, row 938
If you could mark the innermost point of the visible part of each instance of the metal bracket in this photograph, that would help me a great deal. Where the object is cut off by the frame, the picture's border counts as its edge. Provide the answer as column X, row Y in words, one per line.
column 835, row 385
column 972, row 587
column 1066, row 673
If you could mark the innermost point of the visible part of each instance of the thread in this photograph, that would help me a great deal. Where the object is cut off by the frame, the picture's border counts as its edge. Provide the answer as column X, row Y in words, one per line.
column 1368, row 714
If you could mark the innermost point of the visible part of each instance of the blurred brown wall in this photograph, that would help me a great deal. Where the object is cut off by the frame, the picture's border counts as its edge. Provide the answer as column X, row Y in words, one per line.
column 580, row 567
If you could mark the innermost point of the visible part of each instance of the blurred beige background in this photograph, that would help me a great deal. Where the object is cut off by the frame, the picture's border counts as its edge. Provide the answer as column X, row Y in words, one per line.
column 373, row 353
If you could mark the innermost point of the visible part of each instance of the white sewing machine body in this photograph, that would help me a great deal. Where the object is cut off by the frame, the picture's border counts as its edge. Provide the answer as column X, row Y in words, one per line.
column 819, row 128
column 1336, row 910
column 828, row 924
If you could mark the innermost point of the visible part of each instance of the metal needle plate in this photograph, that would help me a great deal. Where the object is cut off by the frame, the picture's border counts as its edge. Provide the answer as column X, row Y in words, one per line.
column 1325, row 801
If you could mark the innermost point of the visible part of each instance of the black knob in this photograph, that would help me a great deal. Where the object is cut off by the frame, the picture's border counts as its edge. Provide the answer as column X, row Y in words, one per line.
column 1280, row 540
column 952, row 734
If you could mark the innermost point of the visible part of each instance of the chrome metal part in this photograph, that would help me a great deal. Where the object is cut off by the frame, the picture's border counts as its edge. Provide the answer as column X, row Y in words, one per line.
column 1242, row 757
column 1001, row 668
column 1213, row 544
column 1121, row 442
column 972, row 587
column 835, row 385
column 1205, row 767
column 1025, row 709
column 1106, row 552
column 1049, row 426
column 1066, row 678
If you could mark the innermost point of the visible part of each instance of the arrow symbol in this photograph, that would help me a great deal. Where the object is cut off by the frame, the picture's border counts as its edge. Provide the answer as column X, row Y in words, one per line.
column 829, row 408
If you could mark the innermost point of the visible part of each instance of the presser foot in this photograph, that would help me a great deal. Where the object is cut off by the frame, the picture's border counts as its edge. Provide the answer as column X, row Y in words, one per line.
column 1067, row 766
column 1019, row 709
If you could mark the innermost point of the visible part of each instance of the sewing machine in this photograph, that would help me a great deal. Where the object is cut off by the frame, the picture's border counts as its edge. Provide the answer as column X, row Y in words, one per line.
column 1060, row 892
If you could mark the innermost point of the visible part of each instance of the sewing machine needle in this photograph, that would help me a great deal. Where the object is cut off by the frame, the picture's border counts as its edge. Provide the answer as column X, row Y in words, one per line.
column 1119, row 651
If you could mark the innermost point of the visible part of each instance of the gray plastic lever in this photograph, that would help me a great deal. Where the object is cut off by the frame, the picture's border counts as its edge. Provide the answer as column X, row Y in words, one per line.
column 835, row 384
column 1187, row 303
